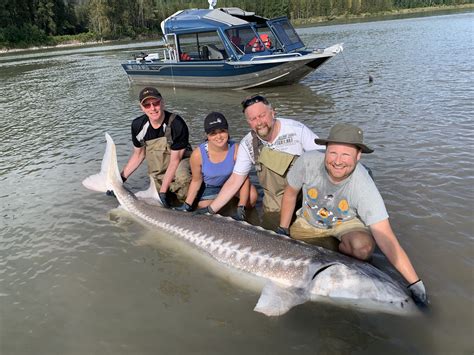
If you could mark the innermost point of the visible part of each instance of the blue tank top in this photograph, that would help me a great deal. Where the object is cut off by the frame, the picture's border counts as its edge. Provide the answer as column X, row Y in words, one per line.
column 216, row 174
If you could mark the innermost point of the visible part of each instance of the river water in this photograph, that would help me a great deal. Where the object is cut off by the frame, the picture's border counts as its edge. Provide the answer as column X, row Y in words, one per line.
column 78, row 277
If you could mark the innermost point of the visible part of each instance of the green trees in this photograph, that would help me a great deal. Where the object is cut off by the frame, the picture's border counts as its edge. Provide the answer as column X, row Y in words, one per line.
column 45, row 16
column 31, row 22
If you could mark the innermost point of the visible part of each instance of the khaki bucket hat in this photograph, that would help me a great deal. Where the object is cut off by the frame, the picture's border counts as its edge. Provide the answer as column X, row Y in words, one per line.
column 346, row 133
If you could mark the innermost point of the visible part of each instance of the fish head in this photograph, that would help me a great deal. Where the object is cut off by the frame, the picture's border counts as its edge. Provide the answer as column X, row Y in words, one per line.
column 359, row 284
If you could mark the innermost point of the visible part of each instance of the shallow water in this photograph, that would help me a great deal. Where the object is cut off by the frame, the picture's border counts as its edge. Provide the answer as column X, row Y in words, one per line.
column 78, row 277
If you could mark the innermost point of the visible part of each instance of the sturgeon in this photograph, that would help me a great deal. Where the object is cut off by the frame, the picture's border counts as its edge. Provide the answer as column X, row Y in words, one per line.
column 293, row 272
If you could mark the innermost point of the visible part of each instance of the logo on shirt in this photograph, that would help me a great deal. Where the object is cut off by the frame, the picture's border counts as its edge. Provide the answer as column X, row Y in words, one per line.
column 286, row 139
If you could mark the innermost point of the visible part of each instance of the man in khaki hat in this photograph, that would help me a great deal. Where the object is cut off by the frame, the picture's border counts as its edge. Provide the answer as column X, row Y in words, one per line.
column 162, row 138
column 340, row 200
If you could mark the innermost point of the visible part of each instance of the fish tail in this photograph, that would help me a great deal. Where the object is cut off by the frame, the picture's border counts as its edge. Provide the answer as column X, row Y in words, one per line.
column 109, row 172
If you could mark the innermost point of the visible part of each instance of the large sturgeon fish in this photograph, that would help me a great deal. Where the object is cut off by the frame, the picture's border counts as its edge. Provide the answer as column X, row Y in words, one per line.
column 293, row 272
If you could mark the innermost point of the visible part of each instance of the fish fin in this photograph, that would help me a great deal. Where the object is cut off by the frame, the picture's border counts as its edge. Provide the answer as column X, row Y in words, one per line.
column 276, row 300
column 109, row 171
column 149, row 194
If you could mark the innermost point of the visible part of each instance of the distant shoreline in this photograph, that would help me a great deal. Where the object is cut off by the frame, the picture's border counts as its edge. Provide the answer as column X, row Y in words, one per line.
column 384, row 14
column 321, row 20
column 73, row 43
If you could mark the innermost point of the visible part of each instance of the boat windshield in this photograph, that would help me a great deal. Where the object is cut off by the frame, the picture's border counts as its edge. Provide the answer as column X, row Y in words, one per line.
column 201, row 46
column 286, row 34
column 269, row 39
column 245, row 41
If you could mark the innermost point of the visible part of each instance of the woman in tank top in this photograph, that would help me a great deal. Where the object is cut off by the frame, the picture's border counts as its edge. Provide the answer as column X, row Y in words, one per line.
column 211, row 165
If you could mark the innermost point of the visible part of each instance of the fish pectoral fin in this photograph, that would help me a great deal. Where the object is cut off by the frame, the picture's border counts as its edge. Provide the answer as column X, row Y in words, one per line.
column 150, row 194
column 276, row 300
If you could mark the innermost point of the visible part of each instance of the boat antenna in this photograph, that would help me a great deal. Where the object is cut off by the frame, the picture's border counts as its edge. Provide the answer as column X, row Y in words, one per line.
column 212, row 3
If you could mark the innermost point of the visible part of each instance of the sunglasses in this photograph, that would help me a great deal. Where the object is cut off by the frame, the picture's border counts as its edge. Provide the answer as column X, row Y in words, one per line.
column 155, row 103
column 253, row 100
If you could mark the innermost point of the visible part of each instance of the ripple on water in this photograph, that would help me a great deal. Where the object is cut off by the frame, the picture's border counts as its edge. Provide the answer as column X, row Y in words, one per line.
column 59, row 243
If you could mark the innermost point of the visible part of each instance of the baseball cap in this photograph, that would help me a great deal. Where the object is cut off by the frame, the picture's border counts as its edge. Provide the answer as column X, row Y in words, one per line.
column 215, row 120
column 148, row 93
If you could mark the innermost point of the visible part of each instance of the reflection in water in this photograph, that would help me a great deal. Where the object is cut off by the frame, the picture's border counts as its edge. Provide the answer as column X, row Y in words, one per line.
column 74, row 280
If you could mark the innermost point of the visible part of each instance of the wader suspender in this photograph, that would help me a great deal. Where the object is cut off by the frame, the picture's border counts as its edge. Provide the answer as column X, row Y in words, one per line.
column 168, row 129
column 257, row 146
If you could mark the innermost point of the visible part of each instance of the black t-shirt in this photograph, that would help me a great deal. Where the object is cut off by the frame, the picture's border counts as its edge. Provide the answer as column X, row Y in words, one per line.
column 179, row 131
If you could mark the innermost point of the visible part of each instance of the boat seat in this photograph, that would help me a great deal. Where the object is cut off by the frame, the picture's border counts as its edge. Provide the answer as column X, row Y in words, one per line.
column 214, row 53
column 204, row 53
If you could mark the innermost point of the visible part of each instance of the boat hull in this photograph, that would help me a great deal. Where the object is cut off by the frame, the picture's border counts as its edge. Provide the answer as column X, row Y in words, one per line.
column 226, row 74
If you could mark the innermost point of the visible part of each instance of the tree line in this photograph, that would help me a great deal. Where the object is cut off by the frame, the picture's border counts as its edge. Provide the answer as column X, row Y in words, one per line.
column 25, row 23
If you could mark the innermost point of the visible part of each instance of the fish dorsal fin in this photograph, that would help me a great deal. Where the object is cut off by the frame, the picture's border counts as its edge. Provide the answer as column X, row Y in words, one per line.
column 276, row 300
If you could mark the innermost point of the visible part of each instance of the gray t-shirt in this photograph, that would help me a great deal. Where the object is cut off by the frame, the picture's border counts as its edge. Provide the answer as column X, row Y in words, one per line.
column 325, row 204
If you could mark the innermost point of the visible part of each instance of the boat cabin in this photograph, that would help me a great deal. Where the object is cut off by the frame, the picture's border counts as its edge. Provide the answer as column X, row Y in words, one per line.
column 227, row 34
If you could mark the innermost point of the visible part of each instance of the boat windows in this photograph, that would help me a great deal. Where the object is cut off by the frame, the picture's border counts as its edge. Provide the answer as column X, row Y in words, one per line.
column 269, row 39
column 244, row 41
column 286, row 34
column 201, row 46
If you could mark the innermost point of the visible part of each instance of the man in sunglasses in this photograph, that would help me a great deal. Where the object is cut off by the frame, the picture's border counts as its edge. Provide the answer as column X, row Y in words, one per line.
column 272, row 146
column 162, row 138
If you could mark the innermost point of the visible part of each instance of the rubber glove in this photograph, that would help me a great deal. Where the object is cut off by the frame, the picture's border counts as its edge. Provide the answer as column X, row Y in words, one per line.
column 418, row 293
column 163, row 200
column 283, row 230
column 185, row 207
column 205, row 210
column 110, row 192
column 240, row 214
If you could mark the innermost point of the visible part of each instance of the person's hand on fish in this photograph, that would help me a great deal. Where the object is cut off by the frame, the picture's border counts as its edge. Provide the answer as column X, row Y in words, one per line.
column 163, row 200
column 185, row 207
column 418, row 293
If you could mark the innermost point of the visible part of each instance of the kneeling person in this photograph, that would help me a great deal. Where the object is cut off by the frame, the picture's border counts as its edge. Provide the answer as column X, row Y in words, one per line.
column 212, row 163
column 341, row 200
column 162, row 138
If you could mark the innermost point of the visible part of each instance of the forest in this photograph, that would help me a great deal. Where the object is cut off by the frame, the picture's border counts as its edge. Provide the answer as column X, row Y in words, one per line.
column 25, row 23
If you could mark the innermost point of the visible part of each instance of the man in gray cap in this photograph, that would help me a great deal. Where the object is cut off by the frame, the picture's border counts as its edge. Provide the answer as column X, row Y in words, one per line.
column 341, row 200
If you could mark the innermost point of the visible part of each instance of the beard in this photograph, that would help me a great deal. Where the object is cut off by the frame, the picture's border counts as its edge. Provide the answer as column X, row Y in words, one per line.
column 264, row 132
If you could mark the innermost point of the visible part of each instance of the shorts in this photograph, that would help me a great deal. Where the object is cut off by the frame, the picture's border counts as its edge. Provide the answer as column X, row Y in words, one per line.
column 302, row 230
column 208, row 192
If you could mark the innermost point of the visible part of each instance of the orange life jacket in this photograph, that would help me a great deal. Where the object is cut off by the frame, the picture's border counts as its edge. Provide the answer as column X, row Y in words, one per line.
column 255, row 44
column 184, row 56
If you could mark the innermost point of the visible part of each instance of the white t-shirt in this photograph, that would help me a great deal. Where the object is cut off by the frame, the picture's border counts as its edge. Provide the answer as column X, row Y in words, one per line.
column 294, row 138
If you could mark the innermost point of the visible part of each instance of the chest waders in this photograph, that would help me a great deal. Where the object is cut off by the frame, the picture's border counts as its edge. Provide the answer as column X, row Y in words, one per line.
column 272, row 167
column 158, row 153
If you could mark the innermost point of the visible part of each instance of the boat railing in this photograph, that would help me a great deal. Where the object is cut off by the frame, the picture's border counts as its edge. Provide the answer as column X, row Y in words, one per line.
column 289, row 55
column 169, row 54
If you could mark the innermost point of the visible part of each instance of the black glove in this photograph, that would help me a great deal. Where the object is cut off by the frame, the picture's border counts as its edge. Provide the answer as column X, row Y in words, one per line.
column 205, row 210
column 283, row 230
column 240, row 214
column 110, row 192
column 185, row 207
column 418, row 293
column 163, row 200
